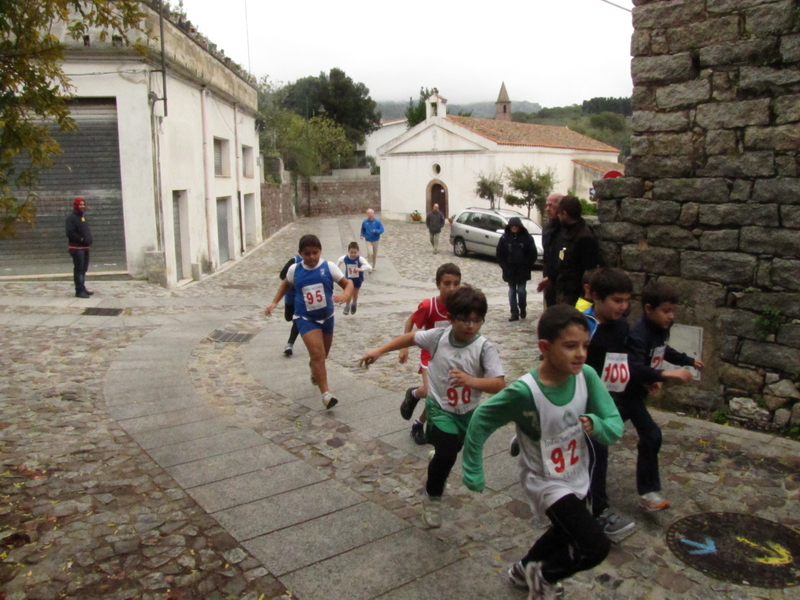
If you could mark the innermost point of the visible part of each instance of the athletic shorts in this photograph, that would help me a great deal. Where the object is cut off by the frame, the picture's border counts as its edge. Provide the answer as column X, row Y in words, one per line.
column 304, row 325
column 357, row 283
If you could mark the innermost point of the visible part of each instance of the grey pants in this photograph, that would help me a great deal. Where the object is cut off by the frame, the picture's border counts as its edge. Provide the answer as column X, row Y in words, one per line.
column 435, row 241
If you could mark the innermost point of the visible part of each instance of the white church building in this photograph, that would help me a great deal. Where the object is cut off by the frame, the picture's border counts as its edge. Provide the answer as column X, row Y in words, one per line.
column 440, row 159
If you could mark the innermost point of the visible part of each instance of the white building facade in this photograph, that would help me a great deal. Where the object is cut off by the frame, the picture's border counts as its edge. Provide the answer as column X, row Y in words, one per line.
column 167, row 162
column 440, row 159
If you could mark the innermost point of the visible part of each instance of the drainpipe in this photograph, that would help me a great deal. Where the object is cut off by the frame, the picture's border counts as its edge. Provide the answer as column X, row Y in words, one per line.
column 238, row 166
column 211, row 213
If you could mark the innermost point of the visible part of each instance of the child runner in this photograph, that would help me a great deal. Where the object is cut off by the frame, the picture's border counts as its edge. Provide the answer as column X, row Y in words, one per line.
column 463, row 365
column 430, row 313
column 647, row 349
column 288, row 307
column 555, row 407
column 611, row 293
column 313, row 281
column 353, row 265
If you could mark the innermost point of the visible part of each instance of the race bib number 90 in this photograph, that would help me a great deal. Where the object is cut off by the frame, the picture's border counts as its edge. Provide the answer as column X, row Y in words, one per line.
column 615, row 373
column 314, row 297
column 459, row 399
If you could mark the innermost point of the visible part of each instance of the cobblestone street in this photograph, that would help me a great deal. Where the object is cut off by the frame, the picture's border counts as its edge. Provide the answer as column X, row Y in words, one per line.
column 141, row 459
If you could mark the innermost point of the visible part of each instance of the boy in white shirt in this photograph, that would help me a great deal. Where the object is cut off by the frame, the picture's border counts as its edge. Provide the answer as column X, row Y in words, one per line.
column 353, row 265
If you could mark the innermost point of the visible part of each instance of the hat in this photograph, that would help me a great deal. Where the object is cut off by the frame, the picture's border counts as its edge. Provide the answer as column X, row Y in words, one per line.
column 77, row 201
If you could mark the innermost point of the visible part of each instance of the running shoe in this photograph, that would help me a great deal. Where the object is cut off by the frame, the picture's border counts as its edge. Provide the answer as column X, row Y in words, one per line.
column 653, row 502
column 347, row 309
column 418, row 433
column 409, row 404
column 329, row 400
column 616, row 527
column 353, row 310
column 288, row 350
column 432, row 511
column 513, row 448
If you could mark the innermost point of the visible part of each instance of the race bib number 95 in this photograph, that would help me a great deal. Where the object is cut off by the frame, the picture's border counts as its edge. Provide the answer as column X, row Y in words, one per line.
column 314, row 297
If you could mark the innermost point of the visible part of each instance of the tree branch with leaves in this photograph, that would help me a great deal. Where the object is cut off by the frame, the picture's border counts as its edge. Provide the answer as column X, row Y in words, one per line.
column 532, row 187
column 489, row 187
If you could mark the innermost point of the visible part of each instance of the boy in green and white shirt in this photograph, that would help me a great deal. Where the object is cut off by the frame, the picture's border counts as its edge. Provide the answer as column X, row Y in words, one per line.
column 463, row 365
column 555, row 408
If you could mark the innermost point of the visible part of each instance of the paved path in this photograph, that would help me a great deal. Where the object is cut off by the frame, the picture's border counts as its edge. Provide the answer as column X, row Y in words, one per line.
column 145, row 460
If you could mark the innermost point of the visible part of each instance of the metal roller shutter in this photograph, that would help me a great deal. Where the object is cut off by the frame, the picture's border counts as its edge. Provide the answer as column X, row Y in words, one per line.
column 89, row 167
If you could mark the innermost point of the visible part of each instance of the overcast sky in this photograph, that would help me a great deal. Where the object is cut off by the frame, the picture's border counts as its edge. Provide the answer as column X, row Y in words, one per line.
column 554, row 52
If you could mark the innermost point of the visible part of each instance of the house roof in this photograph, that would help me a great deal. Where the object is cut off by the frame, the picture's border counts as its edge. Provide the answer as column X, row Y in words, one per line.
column 509, row 133
column 602, row 166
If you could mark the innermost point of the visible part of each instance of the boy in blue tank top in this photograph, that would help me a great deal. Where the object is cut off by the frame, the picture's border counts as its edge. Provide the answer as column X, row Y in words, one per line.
column 353, row 265
column 555, row 408
column 313, row 280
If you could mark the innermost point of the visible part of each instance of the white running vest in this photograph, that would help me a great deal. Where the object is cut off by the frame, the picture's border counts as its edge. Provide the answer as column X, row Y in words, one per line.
column 453, row 399
column 558, row 464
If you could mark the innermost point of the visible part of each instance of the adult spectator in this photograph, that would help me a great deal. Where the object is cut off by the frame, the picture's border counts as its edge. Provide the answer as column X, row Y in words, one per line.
column 551, row 244
column 80, row 238
column 435, row 222
column 516, row 253
column 371, row 230
column 580, row 251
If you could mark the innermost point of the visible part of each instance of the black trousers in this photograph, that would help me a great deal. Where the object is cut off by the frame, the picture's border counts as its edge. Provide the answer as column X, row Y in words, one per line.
column 574, row 542
column 446, row 448
column 288, row 314
column 599, row 470
column 80, row 264
column 647, row 478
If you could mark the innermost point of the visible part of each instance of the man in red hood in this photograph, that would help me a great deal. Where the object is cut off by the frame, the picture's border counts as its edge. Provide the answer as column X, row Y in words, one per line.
column 80, row 238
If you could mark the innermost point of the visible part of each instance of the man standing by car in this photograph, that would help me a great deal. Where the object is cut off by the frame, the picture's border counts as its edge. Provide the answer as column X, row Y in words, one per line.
column 580, row 251
column 435, row 222
column 80, row 238
column 551, row 244
column 516, row 254
column 371, row 230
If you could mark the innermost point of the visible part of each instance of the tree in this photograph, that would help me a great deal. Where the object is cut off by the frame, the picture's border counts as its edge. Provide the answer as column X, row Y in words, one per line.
column 336, row 96
column 532, row 186
column 34, row 88
column 415, row 113
column 489, row 187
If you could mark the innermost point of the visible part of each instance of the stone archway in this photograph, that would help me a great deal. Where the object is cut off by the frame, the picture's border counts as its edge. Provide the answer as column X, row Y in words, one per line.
column 437, row 193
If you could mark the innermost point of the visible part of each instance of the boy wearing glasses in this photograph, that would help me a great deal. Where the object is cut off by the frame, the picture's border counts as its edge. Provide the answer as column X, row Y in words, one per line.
column 463, row 365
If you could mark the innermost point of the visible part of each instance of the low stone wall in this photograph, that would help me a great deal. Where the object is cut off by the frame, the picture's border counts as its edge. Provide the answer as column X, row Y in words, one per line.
column 277, row 207
column 711, row 197
column 341, row 195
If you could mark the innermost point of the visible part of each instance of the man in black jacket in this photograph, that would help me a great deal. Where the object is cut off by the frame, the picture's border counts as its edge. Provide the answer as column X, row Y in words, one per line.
column 516, row 253
column 435, row 223
column 80, row 238
column 580, row 251
column 551, row 243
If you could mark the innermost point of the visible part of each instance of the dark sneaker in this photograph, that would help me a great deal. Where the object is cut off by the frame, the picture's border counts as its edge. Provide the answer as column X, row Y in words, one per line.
column 288, row 350
column 418, row 433
column 513, row 448
column 513, row 318
column 82, row 294
column 523, row 313
column 90, row 292
column 353, row 310
column 516, row 575
column 616, row 527
column 409, row 404
column 346, row 309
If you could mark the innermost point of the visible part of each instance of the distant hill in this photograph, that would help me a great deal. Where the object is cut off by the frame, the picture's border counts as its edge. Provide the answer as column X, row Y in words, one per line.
column 396, row 110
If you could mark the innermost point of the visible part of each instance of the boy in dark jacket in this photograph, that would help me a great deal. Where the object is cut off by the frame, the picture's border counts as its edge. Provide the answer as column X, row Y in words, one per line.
column 647, row 349
column 516, row 253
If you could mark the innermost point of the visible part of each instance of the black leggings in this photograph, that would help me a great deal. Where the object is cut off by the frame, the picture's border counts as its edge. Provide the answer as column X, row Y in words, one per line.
column 288, row 314
column 575, row 541
column 446, row 448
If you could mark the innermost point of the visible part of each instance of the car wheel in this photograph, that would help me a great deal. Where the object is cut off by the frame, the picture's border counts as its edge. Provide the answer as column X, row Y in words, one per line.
column 459, row 247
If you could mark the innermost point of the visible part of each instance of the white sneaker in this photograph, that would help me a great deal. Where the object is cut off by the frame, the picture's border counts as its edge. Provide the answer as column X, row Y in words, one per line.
column 432, row 511
column 288, row 350
column 652, row 502
column 329, row 400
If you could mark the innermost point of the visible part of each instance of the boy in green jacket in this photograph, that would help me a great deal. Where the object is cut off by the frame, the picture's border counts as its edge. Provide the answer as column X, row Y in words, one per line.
column 555, row 408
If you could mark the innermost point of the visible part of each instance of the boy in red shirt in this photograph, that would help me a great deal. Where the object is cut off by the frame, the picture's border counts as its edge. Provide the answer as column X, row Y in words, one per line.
column 430, row 314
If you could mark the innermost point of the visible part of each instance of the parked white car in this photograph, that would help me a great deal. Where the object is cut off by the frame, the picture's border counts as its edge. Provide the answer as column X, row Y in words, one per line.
column 479, row 230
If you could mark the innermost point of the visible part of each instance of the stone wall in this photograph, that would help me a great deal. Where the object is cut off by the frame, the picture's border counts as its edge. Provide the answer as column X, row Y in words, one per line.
column 341, row 195
column 711, row 197
column 277, row 207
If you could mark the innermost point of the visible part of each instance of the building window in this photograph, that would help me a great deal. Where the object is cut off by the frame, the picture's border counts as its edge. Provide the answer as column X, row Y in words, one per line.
column 248, row 168
column 436, row 169
column 222, row 158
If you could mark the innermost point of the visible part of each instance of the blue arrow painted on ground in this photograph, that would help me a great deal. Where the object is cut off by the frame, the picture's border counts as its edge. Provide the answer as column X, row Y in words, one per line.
column 707, row 548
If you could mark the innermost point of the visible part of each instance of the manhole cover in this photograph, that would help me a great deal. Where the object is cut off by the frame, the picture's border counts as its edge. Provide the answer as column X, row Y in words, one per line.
column 738, row 548
column 103, row 312
column 229, row 336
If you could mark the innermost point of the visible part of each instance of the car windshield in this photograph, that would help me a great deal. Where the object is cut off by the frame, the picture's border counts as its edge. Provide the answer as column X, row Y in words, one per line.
column 532, row 227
